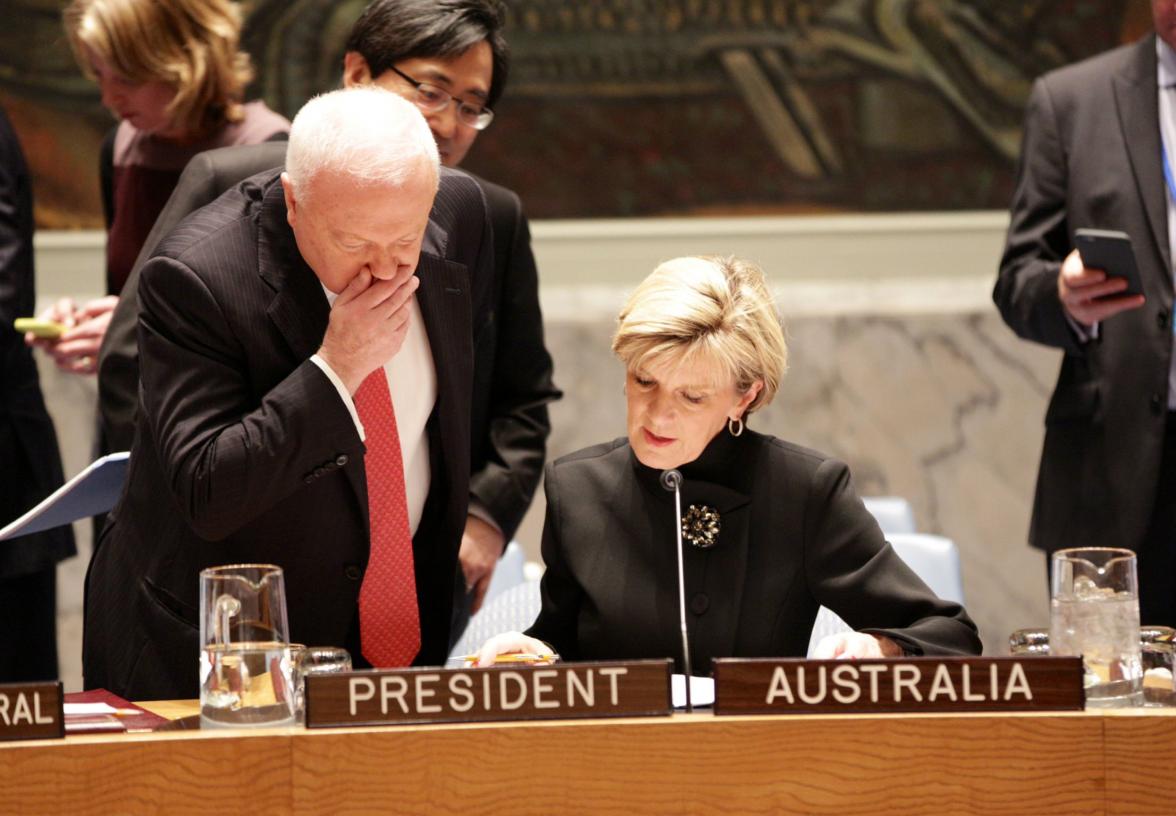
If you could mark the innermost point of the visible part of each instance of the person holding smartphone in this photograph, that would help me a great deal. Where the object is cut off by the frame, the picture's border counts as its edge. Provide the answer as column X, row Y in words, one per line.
column 1098, row 140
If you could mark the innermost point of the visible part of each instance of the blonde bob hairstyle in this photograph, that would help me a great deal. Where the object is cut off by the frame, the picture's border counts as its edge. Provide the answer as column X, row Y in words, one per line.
column 710, row 310
column 191, row 45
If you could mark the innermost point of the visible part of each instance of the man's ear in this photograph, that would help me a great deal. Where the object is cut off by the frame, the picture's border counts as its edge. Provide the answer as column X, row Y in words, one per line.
column 291, row 202
column 355, row 70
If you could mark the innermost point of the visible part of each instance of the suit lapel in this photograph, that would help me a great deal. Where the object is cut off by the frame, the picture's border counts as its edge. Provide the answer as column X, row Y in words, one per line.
column 1136, row 99
column 299, row 309
column 444, row 298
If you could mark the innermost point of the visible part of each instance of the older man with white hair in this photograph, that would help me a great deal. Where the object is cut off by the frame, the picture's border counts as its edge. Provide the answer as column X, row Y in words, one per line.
column 306, row 368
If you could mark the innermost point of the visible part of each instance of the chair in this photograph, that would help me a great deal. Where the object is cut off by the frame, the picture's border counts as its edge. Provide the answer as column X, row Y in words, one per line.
column 893, row 513
column 508, row 571
column 933, row 558
column 513, row 610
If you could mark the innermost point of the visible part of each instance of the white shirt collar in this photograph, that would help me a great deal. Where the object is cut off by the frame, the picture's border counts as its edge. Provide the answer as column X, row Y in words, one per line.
column 1165, row 64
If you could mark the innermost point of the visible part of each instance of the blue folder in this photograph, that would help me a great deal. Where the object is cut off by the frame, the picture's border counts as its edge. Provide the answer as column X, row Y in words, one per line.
column 93, row 491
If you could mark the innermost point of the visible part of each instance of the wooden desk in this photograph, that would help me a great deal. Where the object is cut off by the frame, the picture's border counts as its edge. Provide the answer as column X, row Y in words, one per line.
column 1080, row 763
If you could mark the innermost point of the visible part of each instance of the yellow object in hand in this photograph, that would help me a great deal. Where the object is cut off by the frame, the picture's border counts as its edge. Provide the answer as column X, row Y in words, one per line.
column 45, row 329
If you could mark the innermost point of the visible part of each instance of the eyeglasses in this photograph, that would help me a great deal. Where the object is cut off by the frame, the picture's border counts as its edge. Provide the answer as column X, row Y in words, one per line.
column 432, row 99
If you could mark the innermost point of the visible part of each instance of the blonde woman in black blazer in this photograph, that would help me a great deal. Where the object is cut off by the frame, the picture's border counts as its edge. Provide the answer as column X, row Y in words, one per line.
column 772, row 531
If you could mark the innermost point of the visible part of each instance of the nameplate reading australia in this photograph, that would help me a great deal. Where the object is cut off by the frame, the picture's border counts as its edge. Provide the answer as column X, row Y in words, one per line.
column 31, row 711
column 421, row 695
column 916, row 684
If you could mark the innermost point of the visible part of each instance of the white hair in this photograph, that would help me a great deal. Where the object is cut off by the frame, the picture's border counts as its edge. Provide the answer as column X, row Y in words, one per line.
column 367, row 133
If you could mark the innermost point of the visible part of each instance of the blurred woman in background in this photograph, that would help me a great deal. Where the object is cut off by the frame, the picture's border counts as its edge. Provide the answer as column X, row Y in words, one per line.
column 174, row 76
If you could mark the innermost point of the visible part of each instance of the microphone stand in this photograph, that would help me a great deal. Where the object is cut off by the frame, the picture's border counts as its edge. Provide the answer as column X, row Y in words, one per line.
column 672, row 480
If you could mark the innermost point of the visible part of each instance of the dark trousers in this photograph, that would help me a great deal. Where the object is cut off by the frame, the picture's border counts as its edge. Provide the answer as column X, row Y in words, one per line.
column 1157, row 553
column 28, row 627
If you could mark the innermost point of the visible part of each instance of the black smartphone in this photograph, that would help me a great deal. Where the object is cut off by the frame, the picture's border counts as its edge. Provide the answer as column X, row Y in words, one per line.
column 1110, row 251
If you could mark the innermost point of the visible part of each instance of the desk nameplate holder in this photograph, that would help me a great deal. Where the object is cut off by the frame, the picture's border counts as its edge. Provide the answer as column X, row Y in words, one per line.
column 31, row 711
column 638, row 688
column 914, row 684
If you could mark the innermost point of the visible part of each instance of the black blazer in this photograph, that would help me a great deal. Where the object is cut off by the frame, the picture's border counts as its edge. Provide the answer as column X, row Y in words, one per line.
column 793, row 536
column 512, row 373
column 512, row 369
column 28, row 445
column 1091, row 158
column 244, row 451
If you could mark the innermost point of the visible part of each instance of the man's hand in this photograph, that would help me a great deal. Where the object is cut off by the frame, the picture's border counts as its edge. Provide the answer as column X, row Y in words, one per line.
column 481, row 547
column 853, row 645
column 367, row 327
column 1078, row 288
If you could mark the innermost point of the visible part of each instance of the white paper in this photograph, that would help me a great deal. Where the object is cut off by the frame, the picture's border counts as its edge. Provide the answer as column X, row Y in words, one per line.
column 702, row 691
column 93, row 491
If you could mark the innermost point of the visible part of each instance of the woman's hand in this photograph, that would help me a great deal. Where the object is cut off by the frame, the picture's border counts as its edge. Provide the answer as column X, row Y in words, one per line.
column 854, row 645
column 513, row 643
column 76, row 351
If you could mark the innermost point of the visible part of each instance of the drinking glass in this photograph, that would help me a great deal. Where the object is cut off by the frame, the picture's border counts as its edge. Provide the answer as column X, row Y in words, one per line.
column 246, row 669
column 1094, row 613
column 315, row 660
column 1157, row 648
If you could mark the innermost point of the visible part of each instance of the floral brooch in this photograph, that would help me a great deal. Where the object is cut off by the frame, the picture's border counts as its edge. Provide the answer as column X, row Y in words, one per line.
column 700, row 526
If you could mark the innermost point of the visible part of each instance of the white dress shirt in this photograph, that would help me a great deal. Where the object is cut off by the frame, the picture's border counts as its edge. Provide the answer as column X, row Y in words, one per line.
column 412, row 382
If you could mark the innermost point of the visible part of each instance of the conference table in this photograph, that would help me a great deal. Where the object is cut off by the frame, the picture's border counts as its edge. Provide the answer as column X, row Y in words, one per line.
column 1036, row 763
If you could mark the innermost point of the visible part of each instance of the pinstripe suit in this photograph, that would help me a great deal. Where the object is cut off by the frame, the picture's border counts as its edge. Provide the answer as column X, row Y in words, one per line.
column 244, row 451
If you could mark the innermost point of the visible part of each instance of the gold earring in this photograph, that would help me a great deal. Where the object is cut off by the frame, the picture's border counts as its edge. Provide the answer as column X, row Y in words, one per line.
column 735, row 426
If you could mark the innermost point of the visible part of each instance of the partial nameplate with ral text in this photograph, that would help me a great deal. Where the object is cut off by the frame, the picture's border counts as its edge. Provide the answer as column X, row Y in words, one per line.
column 913, row 684
column 31, row 711
column 638, row 688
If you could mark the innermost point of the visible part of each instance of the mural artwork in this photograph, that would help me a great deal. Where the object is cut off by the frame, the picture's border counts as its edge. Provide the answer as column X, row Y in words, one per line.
column 662, row 107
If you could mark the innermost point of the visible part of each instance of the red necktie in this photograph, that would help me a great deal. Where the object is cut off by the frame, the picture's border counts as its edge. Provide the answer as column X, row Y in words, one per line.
column 389, row 623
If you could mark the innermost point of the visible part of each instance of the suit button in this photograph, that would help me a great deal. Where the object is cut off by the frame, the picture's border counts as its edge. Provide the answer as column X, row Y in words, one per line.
column 699, row 604
column 341, row 459
column 1162, row 319
column 308, row 478
column 1157, row 403
column 329, row 466
column 353, row 572
column 318, row 471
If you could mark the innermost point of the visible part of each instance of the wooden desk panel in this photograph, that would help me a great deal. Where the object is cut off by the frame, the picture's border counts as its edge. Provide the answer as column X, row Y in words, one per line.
column 1141, row 755
column 904, row 764
column 130, row 773
column 837, row 765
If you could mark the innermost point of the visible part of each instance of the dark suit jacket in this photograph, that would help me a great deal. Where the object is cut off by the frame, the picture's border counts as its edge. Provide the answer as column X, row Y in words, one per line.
column 1091, row 158
column 28, row 445
column 512, row 369
column 244, row 451
column 793, row 536
column 512, row 373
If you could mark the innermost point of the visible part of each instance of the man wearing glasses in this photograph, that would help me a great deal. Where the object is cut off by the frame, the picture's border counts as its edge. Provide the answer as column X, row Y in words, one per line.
column 450, row 59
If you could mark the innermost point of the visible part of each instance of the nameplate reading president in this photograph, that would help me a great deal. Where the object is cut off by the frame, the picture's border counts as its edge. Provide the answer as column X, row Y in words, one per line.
column 630, row 689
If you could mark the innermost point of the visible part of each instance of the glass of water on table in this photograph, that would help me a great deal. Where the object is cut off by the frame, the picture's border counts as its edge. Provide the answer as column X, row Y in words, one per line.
column 246, row 668
column 1094, row 613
